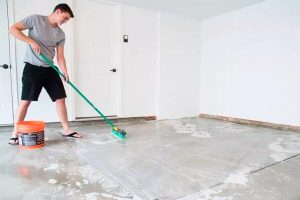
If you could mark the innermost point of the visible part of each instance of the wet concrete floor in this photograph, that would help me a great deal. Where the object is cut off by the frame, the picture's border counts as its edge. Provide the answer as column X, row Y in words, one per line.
column 187, row 159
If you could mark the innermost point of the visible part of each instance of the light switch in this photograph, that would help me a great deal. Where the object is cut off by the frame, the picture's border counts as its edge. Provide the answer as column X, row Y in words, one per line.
column 125, row 38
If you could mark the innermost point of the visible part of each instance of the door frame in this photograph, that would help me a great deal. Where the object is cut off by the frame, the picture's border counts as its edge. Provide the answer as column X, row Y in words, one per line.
column 13, row 59
column 12, row 63
column 119, row 51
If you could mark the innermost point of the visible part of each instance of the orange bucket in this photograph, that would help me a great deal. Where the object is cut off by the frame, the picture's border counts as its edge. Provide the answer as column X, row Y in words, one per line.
column 31, row 134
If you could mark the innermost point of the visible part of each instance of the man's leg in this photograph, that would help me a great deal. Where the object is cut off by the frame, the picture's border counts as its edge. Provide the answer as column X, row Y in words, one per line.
column 21, row 113
column 63, row 116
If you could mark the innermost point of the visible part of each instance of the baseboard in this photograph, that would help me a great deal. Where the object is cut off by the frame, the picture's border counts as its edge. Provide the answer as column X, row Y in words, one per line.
column 147, row 118
column 253, row 122
column 150, row 118
column 89, row 120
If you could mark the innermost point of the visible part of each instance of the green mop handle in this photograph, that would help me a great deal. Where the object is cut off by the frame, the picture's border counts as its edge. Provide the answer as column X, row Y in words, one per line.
column 77, row 90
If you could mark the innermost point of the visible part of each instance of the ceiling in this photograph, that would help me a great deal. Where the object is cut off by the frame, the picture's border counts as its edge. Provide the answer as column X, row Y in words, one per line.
column 198, row 9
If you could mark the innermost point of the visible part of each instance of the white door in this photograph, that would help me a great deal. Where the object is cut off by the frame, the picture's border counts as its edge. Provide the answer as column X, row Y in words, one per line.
column 6, row 105
column 96, row 55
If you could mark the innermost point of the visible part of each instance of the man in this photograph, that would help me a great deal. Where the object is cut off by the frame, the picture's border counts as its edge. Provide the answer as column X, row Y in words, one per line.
column 44, row 36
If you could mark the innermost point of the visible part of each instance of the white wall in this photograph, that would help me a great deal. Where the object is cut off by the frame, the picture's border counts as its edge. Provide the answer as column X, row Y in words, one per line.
column 139, row 62
column 179, row 67
column 161, row 64
column 250, row 63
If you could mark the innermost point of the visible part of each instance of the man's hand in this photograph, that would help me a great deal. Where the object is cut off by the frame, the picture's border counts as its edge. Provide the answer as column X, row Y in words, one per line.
column 66, row 78
column 35, row 46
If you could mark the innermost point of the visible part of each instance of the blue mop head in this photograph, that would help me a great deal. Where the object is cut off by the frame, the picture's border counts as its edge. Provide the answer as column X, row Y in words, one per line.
column 119, row 133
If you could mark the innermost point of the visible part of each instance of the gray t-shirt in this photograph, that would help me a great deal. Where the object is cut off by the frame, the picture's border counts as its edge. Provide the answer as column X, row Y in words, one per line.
column 48, row 37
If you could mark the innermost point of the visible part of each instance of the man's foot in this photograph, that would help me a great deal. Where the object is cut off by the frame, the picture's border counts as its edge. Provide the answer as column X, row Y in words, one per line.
column 13, row 141
column 72, row 134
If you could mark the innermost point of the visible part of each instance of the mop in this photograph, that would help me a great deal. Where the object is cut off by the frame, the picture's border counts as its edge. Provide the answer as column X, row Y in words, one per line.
column 118, row 133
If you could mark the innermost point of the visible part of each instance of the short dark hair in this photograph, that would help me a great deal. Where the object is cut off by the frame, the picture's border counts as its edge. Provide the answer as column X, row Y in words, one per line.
column 65, row 8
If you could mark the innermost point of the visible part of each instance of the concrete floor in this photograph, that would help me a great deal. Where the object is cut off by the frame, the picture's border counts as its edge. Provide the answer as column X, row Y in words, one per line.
column 187, row 159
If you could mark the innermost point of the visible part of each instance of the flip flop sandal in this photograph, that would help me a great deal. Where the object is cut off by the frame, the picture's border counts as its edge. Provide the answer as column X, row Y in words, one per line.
column 13, row 141
column 72, row 135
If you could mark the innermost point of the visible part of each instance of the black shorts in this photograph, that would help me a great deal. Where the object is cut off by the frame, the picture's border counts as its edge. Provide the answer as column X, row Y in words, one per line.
column 36, row 77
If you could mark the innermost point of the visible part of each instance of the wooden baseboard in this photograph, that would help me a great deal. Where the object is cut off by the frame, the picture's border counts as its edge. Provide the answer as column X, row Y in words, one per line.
column 116, row 118
column 253, row 122
column 149, row 118
column 99, row 120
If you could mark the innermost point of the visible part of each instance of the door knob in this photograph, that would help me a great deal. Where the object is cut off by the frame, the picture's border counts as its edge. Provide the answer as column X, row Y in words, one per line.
column 5, row 66
column 113, row 70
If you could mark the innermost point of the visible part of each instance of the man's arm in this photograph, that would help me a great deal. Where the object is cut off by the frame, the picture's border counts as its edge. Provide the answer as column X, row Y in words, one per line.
column 16, row 31
column 62, row 62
